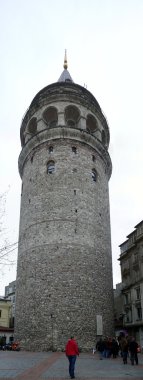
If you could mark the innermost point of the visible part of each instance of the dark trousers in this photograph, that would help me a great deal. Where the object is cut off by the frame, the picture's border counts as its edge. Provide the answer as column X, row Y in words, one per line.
column 72, row 360
column 125, row 355
column 134, row 357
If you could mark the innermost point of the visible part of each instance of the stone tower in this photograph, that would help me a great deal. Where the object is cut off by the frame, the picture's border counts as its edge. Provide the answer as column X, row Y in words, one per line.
column 64, row 274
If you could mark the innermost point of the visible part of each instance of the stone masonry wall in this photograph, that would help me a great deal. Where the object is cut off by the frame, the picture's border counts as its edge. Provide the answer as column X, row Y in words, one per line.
column 64, row 277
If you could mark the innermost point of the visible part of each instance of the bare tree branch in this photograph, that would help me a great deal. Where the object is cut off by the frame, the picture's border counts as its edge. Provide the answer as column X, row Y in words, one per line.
column 7, row 250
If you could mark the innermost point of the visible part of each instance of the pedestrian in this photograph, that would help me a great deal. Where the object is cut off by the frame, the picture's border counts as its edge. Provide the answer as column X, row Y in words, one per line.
column 108, row 347
column 100, row 346
column 115, row 348
column 71, row 352
column 124, row 348
column 133, row 351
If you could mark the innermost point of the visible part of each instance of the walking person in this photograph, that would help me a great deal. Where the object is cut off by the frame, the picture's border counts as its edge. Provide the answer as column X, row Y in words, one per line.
column 100, row 346
column 115, row 348
column 71, row 352
column 124, row 349
column 133, row 351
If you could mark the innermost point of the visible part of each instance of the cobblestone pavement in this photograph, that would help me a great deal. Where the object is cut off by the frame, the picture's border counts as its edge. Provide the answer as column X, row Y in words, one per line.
column 54, row 366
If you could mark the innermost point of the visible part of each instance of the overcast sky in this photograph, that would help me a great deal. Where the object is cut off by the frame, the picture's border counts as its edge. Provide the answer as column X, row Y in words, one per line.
column 104, row 42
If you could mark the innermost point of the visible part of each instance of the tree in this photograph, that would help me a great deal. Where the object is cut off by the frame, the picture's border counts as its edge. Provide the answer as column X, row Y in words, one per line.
column 7, row 249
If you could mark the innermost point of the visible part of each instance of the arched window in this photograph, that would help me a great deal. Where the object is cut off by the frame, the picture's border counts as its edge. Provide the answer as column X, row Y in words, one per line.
column 94, row 175
column 93, row 158
column 50, row 115
column 50, row 167
column 74, row 149
column 32, row 126
column 50, row 149
column 72, row 116
column 91, row 123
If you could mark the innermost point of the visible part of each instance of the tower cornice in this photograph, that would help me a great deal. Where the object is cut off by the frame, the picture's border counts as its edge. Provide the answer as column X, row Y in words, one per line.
column 63, row 91
column 61, row 132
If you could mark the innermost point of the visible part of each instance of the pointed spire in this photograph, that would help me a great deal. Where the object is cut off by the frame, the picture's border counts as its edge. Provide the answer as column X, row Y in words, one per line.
column 65, row 76
column 65, row 60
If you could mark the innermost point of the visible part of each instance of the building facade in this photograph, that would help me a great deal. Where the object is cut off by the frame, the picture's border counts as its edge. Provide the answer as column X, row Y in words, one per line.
column 10, row 291
column 6, row 331
column 5, row 312
column 131, row 260
column 118, row 309
column 64, row 272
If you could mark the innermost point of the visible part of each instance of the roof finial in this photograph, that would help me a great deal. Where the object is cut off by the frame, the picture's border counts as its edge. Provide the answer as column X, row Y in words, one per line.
column 65, row 60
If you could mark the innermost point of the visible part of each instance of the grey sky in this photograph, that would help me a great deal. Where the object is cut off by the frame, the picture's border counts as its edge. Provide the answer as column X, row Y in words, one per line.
column 104, row 40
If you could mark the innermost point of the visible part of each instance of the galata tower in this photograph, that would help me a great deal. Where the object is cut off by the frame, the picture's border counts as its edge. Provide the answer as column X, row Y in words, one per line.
column 64, row 271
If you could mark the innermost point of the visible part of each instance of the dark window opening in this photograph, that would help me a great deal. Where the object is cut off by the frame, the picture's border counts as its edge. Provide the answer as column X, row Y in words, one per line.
column 128, row 317
column 50, row 115
column 71, row 123
column 31, row 159
column 74, row 149
column 76, row 210
column 53, row 123
column 91, row 123
column 50, row 167
column 138, row 295
column 74, row 192
column 50, row 149
column 93, row 158
column 72, row 116
column 32, row 126
column 94, row 175
column 139, row 313
column 126, row 299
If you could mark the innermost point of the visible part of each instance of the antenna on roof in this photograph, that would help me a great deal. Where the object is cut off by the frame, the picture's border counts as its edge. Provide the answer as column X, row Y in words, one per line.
column 65, row 60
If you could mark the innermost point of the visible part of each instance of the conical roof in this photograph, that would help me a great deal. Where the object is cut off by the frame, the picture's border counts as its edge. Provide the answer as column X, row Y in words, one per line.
column 65, row 76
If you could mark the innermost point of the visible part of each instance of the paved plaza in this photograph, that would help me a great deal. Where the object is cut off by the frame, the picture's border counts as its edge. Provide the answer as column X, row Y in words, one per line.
column 54, row 366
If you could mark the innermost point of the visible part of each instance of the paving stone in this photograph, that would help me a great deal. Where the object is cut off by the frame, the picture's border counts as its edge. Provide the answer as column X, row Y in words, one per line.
column 54, row 366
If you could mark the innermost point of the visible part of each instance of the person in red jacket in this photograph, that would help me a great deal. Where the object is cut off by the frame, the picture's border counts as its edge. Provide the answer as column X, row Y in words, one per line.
column 71, row 352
